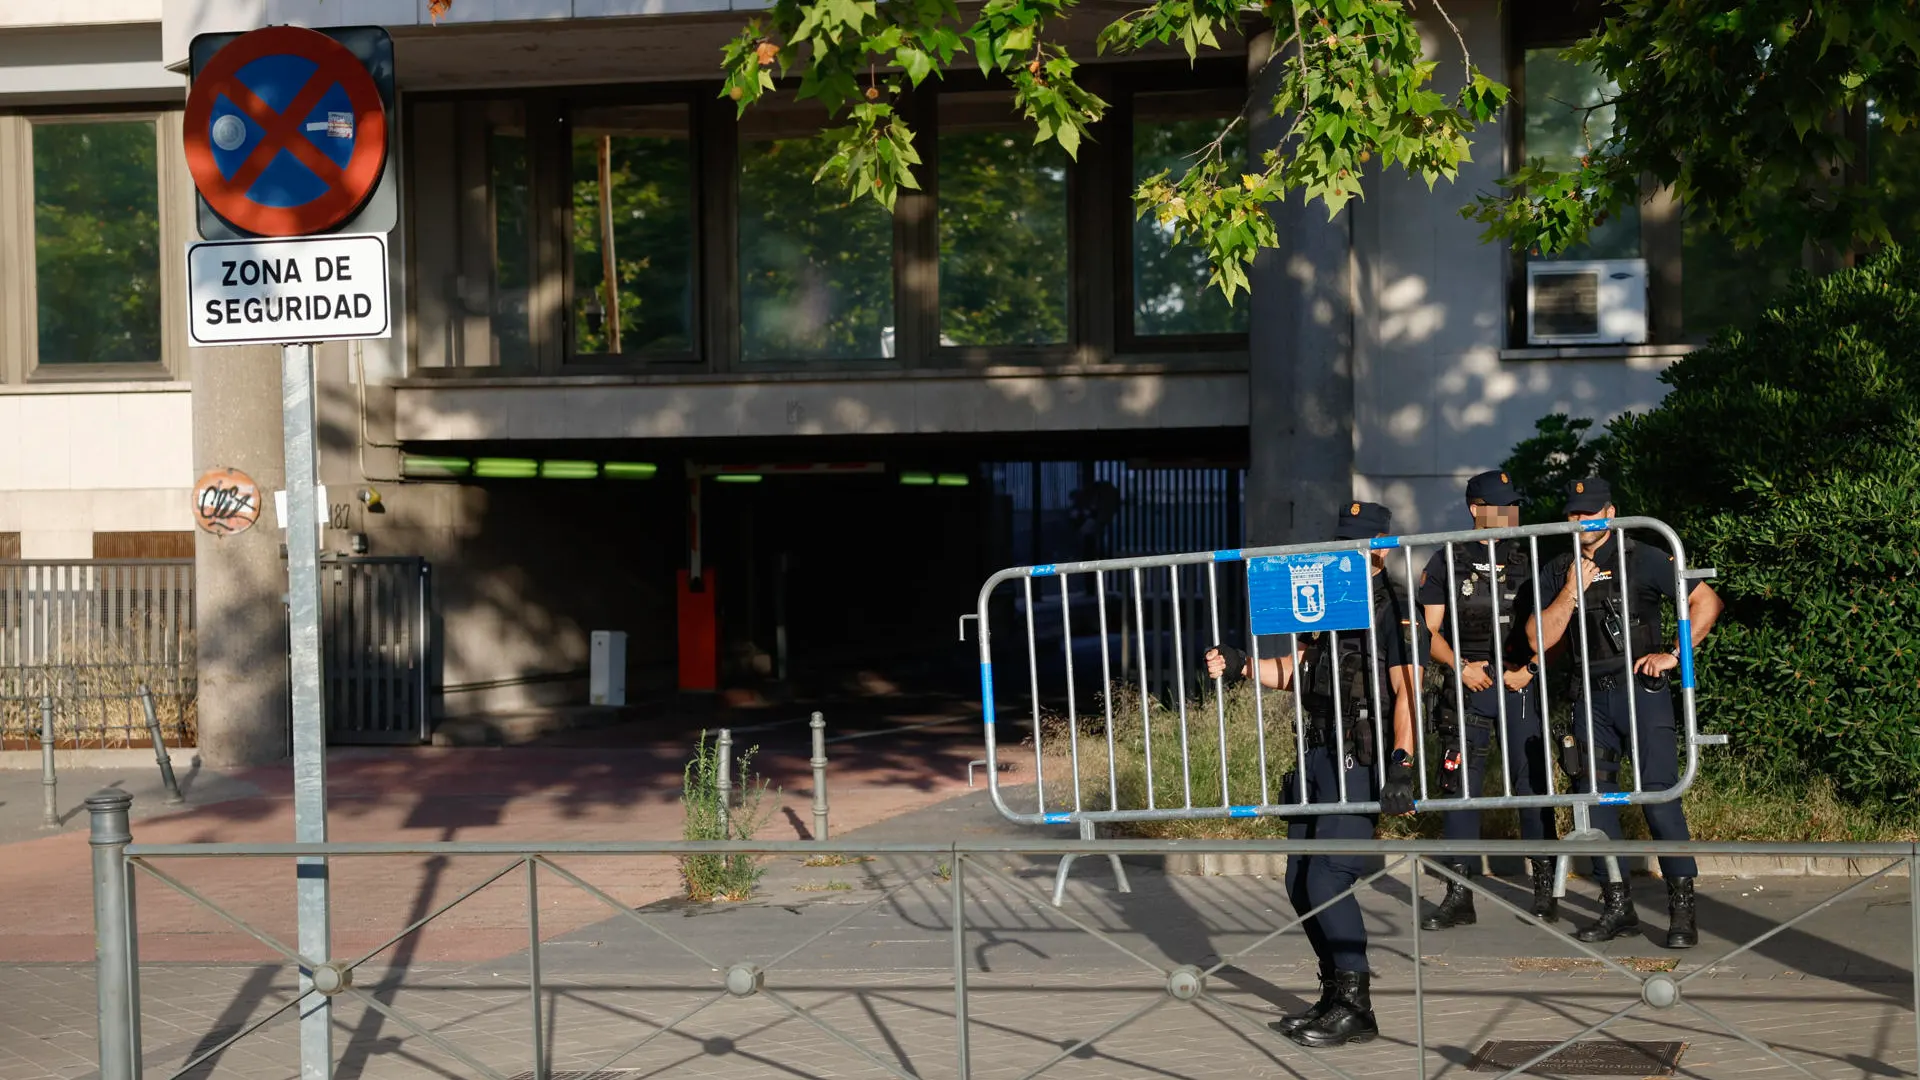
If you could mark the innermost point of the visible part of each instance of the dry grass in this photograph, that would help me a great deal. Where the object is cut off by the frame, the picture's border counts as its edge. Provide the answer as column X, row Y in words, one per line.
column 836, row 860
column 1727, row 803
column 95, row 686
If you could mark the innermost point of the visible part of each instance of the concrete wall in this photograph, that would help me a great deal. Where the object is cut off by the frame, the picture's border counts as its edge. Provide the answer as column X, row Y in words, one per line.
column 939, row 404
column 87, row 62
column 79, row 460
column 1434, row 400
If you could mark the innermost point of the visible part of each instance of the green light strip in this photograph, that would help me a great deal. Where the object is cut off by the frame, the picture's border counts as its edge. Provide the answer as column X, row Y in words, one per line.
column 430, row 467
column 738, row 478
column 495, row 468
column 917, row 479
column 954, row 480
column 412, row 465
column 569, row 470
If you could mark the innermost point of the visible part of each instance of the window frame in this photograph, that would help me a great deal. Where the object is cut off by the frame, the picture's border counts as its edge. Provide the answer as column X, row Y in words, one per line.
column 20, row 362
column 1660, row 215
column 1218, row 74
column 1099, row 231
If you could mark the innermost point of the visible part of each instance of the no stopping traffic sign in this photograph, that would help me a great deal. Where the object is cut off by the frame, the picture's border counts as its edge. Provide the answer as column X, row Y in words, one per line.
column 286, row 134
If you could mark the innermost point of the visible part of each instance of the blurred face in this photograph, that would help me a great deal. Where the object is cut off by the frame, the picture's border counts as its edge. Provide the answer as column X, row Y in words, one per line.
column 1592, row 540
column 1493, row 517
column 1378, row 556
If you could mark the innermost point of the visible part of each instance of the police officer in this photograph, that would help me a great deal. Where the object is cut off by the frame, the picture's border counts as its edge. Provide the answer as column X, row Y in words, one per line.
column 1609, row 637
column 1344, row 1013
column 1482, row 586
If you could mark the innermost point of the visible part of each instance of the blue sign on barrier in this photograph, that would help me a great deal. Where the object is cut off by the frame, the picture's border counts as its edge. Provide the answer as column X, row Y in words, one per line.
column 1299, row 594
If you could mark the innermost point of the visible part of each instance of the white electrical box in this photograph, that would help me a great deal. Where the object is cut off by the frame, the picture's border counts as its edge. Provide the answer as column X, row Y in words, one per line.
column 607, row 668
column 1587, row 302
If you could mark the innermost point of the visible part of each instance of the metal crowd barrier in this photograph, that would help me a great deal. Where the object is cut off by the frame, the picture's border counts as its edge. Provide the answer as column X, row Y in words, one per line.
column 968, row 892
column 1288, row 591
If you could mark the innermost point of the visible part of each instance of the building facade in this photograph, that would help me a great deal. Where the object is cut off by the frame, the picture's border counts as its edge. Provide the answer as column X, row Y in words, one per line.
column 598, row 266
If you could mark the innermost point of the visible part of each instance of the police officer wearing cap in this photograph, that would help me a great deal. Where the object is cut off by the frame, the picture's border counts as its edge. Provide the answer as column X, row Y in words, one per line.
column 1344, row 1013
column 1482, row 587
column 1609, row 637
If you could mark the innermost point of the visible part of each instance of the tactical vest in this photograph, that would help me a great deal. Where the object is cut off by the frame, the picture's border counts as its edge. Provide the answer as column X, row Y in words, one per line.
column 1608, row 633
column 1323, row 665
column 1471, row 586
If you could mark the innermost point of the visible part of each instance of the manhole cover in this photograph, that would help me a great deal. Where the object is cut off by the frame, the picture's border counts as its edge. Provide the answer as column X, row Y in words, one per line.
column 1599, row 1057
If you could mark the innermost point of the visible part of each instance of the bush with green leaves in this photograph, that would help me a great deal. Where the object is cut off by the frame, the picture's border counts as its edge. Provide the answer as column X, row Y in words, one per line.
column 1560, row 451
column 1788, row 457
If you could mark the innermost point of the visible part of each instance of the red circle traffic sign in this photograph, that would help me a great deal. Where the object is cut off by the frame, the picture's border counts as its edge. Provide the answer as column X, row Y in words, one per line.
column 250, row 122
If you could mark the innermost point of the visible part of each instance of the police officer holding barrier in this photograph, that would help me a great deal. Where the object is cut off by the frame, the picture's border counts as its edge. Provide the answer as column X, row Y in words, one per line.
column 1483, row 587
column 1334, row 667
column 1624, row 582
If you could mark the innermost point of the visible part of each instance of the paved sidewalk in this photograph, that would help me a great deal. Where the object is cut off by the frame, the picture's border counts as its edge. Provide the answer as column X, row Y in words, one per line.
column 865, row 949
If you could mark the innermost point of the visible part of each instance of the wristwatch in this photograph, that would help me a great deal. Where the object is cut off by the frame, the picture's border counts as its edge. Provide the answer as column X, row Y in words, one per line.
column 1533, row 667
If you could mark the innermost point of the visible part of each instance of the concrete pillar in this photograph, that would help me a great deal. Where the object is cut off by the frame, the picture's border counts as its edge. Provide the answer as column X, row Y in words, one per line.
column 240, row 580
column 1300, row 345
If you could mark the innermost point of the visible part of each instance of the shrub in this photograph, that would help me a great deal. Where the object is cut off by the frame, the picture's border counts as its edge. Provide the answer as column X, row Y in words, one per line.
column 721, row 877
column 1788, row 457
column 1560, row 451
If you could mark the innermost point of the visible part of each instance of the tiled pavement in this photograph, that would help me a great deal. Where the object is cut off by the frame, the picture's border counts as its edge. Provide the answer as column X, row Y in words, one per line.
column 873, row 969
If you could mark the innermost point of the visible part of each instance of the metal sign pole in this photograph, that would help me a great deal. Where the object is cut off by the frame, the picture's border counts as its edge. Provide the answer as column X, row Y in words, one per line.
column 309, row 721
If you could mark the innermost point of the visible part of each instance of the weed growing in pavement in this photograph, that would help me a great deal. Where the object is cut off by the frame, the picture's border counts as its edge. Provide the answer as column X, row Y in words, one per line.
column 721, row 877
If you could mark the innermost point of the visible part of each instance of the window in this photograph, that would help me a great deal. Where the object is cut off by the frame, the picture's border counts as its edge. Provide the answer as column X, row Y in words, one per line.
column 1566, row 120
column 1170, row 291
column 96, row 242
column 9, row 545
column 600, row 230
column 816, row 266
column 633, row 231
column 510, row 177
column 1004, row 274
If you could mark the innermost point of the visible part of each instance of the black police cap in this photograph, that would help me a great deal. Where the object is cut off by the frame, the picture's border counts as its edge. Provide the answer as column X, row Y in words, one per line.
column 1363, row 520
column 1493, row 488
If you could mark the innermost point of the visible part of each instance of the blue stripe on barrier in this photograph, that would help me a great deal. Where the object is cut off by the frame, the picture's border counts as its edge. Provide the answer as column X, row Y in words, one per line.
column 1384, row 542
column 986, row 692
column 1686, row 651
column 1243, row 811
column 1228, row 556
column 1040, row 571
column 1059, row 819
column 1614, row 798
column 1596, row 525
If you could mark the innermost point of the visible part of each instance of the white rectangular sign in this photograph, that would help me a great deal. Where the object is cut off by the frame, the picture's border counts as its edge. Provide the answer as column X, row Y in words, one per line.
column 277, row 292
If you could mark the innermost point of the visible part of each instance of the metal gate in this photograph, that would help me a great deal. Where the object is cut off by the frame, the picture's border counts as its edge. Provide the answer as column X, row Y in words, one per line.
column 375, row 634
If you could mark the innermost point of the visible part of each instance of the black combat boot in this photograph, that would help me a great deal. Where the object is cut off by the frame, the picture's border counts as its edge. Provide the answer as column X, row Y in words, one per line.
column 1456, row 909
column 1680, row 931
column 1287, row 1025
column 1348, row 1020
column 1546, row 906
column 1616, row 918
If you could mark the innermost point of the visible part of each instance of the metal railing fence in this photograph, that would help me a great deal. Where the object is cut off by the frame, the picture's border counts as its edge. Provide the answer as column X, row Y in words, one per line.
column 118, row 863
column 1288, row 592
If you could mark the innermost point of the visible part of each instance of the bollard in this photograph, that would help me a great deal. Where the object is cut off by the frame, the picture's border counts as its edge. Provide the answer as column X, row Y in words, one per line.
column 49, row 783
column 174, row 798
column 113, row 944
column 724, row 781
column 819, row 725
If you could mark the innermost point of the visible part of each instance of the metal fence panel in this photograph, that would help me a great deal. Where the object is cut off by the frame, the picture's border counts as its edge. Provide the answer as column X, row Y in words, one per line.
column 89, row 634
column 375, row 612
column 1064, row 665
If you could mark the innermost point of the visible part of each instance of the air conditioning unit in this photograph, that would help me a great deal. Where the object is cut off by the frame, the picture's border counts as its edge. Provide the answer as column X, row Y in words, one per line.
column 1587, row 302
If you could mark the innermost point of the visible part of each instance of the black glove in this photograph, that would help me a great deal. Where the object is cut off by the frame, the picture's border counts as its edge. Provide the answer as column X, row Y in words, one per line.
column 1396, row 797
column 1236, row 663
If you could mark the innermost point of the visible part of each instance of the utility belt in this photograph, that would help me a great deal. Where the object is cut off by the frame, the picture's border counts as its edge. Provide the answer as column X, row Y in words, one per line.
column 1609, row 681
column 1573, row 758
column 1359, row 737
